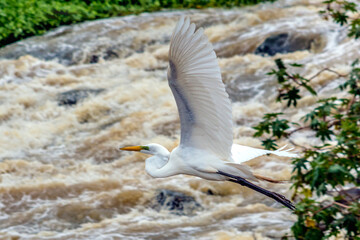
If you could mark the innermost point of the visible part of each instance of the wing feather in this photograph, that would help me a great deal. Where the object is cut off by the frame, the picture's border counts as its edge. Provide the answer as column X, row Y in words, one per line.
column 195, row 79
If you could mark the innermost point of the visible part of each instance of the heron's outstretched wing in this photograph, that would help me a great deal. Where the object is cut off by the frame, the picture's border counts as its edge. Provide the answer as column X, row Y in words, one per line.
column 242, row 154
column 195, row 80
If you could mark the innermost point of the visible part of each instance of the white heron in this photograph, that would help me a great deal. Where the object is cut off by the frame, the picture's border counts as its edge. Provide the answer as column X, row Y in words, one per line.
column 206, row 145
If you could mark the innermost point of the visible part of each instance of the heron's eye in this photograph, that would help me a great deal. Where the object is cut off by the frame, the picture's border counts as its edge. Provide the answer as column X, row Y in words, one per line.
column 145, row 147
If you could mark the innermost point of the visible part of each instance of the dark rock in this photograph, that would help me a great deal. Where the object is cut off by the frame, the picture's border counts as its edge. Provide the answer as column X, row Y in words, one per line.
column 175, row 202
column 110, row 54
column 284, row 43
column 94, row 59
column 210, row 192
column 72, row 97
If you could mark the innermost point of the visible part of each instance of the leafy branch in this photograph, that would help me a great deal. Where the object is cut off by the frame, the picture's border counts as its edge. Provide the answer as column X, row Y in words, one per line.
column 325, row 168
column 291, row 83
column 331, row 169
column 339, row 11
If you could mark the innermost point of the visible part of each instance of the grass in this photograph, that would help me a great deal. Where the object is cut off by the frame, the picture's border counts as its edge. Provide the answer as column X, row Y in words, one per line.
column 20, row 19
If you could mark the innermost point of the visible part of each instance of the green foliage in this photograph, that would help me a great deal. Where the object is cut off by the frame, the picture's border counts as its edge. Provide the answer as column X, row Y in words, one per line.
column 325, row 169
column 340, row 11
column 23, row 18
column 271, row 124
column 290, row 83
column 332, row 170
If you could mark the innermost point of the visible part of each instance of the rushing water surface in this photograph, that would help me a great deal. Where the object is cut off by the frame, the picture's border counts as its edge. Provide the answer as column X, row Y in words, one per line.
column 70, row 98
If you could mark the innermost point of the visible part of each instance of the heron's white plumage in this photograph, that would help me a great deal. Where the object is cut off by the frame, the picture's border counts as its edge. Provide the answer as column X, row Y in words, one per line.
column 242, row 153
column 195, row 80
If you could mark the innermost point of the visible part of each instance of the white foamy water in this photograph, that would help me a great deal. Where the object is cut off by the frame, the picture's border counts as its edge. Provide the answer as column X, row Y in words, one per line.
column 61, row 175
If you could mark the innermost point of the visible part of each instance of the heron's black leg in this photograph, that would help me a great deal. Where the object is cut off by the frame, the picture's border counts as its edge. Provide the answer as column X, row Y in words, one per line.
column 277, row 197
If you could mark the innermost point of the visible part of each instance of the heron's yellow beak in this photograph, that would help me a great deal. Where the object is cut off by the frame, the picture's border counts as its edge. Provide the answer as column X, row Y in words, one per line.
column 132, row 148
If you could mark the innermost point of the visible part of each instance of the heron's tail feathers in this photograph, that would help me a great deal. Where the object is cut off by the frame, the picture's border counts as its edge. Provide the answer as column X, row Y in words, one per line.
column 242, row 153
column 284, row 152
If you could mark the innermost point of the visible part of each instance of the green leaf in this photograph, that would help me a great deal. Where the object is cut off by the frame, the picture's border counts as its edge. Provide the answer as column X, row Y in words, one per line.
column 269, row 144
column 279, row 63
column 310, row 89
column 296, row 65
column 278, row 127
column 292, row 96
column 323, row 131
column 354, row 63
column 340, row 17
column 313, row 234
column 337, row 169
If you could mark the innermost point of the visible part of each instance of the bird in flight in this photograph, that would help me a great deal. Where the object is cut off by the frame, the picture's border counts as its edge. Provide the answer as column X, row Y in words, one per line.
column 206, row 145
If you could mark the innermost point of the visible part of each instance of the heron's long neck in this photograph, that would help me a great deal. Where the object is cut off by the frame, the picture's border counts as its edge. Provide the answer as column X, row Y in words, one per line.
column 160, row 167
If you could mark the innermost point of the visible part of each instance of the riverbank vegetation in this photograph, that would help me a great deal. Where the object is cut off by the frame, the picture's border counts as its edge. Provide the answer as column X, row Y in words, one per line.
column 24, row 18
column 326, row 177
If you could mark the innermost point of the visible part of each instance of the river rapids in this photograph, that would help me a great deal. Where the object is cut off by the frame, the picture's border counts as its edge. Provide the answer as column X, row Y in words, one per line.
column 71, row 98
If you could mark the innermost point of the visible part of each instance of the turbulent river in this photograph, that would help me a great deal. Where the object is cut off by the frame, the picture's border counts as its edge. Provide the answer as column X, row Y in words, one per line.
column 70, row 98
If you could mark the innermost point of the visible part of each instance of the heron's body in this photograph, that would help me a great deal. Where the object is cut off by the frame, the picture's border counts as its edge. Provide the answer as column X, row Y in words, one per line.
column 179, row 161
column 206, row 146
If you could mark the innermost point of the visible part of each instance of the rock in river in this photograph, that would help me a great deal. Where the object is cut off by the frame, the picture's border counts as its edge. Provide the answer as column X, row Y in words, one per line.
column 73, row 96
column 175, row 202
column 285, row 43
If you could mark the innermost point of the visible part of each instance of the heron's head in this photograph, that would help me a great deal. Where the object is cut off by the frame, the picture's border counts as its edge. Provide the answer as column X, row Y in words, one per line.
column 152, row 148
